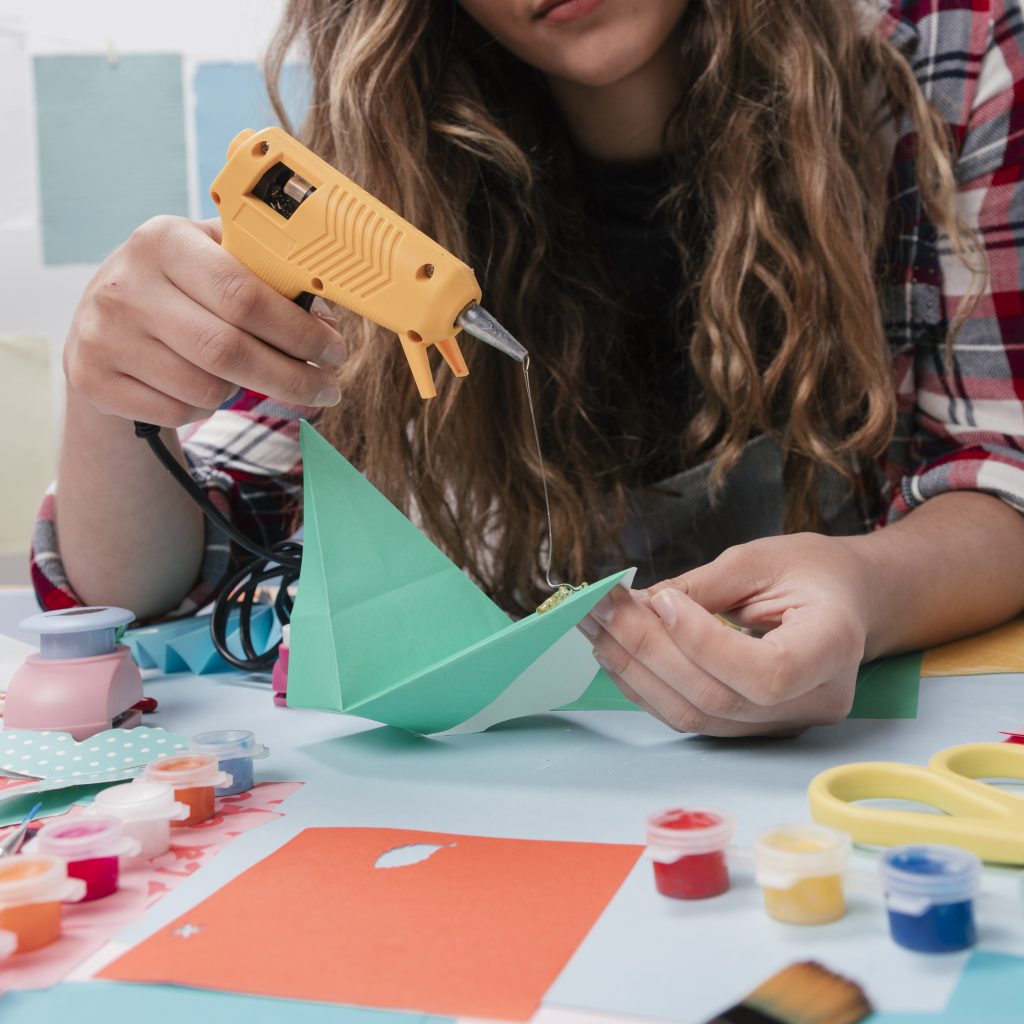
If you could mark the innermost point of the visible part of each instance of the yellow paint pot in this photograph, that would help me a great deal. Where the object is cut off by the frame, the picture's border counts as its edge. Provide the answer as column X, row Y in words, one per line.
column 800, row 871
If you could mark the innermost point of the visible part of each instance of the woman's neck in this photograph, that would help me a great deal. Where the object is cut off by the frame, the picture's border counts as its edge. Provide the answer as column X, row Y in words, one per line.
column 623, row 122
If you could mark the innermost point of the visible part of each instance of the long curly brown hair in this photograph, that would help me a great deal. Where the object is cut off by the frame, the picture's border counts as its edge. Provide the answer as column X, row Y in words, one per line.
column 780, row 172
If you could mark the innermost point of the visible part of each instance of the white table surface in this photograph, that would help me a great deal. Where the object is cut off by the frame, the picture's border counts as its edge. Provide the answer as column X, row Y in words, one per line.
column 595, row 776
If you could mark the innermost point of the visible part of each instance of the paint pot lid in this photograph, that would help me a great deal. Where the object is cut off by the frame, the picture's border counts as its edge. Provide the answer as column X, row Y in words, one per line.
column 228, row 743
column 36, row 878
column 187, row 770
column 94, row 835
column 140, row 801
column 76, row 620
column 932, row 872
column 685, row 831
column 787, row 854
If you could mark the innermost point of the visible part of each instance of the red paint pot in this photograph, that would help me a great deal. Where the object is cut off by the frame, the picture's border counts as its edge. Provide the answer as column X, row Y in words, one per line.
column 687, row 847
column 91, row 846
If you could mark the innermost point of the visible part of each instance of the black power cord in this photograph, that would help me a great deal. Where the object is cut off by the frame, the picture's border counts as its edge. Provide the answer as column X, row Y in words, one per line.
column 282, row 561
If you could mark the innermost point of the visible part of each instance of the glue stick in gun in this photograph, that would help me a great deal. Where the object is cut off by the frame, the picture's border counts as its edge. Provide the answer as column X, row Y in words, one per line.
column 307, row 230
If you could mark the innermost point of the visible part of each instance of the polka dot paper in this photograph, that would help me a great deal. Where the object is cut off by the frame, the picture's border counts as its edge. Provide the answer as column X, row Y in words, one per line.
column 57, row 760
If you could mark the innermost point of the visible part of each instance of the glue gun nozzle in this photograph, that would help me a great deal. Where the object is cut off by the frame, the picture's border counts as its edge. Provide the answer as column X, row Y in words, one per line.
column 475, row 320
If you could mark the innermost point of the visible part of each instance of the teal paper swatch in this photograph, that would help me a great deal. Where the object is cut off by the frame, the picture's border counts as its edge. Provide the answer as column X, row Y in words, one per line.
column 111, row 150
column 165, row 1004
column 989, row 992
column 230, row 97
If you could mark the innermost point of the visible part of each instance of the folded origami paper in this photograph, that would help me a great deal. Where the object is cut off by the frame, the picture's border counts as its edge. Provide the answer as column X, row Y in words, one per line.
column 185, row 645
column 386, row 627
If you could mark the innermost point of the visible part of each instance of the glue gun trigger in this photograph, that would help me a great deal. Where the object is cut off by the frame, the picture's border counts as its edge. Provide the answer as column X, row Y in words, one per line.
column 416, row 354
column 452, row 355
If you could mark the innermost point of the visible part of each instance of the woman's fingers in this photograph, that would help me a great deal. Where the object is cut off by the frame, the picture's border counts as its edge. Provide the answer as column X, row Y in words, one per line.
column 669, row 706
column 785, row 663
column 165, row 371
column 635, row 644
column 231, row 292
column 657, row 661
column 172, row 289
column 125, row 396
column 233, row 354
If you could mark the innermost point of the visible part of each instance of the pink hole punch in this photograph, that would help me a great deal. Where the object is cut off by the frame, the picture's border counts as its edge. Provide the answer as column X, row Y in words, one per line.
column 82, row 681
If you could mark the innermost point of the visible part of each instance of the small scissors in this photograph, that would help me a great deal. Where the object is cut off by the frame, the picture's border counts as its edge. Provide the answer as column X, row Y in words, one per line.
column 977, row 816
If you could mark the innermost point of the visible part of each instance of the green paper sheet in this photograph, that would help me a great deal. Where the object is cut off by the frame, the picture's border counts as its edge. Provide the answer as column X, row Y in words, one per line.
column 601, row 695
column 886, row 688
column 54, row 801
column 387, row 627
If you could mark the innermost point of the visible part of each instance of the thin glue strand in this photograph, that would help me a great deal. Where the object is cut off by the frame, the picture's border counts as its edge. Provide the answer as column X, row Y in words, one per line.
column 543, row 477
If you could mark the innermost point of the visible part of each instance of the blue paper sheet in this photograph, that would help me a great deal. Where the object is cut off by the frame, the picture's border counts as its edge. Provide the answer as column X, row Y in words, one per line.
column 111, row 150
column 164, row 1004
column 230, row 97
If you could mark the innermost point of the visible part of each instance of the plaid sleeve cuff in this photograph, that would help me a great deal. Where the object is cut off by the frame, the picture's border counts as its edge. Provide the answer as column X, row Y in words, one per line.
column 991, row 469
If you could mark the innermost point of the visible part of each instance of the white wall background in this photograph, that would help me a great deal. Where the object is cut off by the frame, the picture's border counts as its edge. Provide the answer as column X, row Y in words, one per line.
column 38, row 300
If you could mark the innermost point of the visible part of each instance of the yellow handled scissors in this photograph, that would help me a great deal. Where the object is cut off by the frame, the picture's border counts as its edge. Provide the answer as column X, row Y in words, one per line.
column 978, row 817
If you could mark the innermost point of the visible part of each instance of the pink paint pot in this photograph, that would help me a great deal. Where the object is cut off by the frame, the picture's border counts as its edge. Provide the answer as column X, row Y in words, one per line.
column 32, row 888
column 194, row 778
column 279, row 676
column 92, row 847
column 687, row 847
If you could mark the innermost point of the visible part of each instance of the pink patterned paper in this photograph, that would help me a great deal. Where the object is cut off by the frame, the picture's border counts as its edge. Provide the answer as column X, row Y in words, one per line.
column 7, row 783
column 87, row 926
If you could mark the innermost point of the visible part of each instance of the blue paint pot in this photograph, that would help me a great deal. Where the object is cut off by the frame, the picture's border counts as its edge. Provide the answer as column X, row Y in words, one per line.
column 235, row 750
column 929, row 893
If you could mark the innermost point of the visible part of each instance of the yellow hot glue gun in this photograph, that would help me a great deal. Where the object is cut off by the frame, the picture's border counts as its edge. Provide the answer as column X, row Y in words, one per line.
column 307, row 230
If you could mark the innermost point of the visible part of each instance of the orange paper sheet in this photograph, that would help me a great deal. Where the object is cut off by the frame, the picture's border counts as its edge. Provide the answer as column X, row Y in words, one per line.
column 481, row 928
column 87, row 926
column 997, row 650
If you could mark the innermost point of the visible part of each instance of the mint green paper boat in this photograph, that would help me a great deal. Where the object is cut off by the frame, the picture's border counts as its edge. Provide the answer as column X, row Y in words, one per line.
column 386, row 627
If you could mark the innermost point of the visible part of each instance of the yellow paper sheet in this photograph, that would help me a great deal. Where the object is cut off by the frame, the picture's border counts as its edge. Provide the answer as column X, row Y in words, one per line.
column 998, row 650
column 26, row 426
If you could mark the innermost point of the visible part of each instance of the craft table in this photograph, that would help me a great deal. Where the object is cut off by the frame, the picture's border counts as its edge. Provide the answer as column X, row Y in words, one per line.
column 595, row 776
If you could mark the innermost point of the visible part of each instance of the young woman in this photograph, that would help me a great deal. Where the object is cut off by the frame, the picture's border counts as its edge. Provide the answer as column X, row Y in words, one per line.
column 765, row 257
